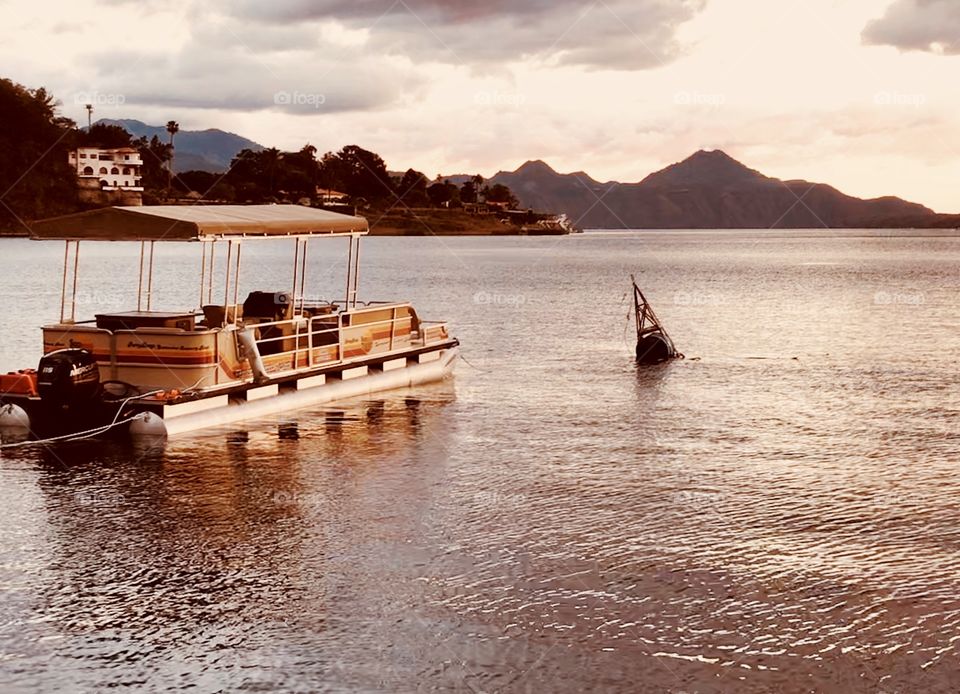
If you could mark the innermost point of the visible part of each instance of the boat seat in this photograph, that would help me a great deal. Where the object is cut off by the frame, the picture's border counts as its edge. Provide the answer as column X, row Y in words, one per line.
column 268, row 306
column 215, row 315
column 131, row 320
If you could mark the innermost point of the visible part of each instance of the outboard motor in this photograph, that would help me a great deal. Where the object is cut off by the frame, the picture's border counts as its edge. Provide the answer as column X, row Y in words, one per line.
column 68, row 379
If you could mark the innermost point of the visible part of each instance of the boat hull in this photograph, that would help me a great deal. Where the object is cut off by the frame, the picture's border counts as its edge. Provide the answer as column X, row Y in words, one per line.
column 330, row 391
column 251, row 401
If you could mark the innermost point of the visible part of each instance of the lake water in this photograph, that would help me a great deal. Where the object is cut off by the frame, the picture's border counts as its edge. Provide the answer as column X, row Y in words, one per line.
column 778, row 512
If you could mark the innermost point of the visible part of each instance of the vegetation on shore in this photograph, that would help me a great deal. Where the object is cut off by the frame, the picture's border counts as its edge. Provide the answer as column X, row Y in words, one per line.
column 36, row 180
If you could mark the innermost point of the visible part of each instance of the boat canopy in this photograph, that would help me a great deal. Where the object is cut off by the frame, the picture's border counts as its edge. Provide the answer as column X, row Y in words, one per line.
column 197, row 223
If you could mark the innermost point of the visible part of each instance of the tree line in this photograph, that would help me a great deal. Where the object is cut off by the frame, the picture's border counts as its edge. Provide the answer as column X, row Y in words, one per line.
column 37, row 181
column 270, row 175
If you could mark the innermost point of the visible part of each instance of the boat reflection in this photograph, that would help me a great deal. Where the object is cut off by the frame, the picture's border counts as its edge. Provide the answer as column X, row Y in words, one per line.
column 149, row 543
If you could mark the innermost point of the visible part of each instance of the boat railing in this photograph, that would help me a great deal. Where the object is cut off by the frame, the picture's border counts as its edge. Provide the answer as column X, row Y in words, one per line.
column 304, row 336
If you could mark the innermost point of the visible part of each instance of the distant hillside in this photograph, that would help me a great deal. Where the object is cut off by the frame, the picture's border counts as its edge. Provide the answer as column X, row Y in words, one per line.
column 196, row 150
column 709, row 190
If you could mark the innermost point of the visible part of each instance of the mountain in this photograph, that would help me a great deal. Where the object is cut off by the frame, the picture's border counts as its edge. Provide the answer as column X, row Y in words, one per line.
column 709, row 190
column 539, row 187
column 196, row 150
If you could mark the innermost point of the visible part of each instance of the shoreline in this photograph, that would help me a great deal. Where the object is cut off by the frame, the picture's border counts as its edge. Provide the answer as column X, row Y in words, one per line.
column 442, row 222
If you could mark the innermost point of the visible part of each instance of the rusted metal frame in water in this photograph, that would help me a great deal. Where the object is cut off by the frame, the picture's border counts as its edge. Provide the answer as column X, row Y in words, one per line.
column 644, row 312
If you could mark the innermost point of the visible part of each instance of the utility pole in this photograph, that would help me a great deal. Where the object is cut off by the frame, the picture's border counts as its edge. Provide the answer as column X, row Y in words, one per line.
column 89, row 117
column 173, row 128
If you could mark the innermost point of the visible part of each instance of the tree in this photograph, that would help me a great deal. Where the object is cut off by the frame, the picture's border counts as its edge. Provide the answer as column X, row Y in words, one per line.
column 501, row 194
column 155, row 155
column 477, row 181
column 444, row 194
column 468, row 192
column 106, row 136
column 36, row 179
column 173, row 128
column 412, row 189
column 363, row 174
column 330, row 172
column 300, row 172
column 196, row 181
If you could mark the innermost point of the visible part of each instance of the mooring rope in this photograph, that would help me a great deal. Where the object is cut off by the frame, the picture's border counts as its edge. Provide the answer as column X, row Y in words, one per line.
column 89, row 433
column 472, row 365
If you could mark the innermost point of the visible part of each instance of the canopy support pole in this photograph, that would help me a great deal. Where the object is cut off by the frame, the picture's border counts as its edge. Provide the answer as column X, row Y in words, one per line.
column 226, row 283
column 63, row 291
column 203, row 271
column 346, row 298
column 296, row 270
column 150, row 278
column 143, row 245
column 356, row 273
column 303, row 275
column 76, row 267
column 236, row 282
column 213, row 257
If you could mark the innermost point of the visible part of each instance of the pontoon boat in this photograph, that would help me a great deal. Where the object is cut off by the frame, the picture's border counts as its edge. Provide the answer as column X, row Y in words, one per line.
column 167, row 372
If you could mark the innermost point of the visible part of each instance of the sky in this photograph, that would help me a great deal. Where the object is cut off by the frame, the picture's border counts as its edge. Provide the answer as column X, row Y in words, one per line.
column 861, row 94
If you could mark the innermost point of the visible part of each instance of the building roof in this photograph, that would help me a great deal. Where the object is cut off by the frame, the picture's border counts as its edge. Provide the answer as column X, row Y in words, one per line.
column 107, row 149
column 196, row 222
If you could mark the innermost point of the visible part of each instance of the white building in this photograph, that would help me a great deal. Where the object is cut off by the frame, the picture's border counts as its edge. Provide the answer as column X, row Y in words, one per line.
column 114, row 169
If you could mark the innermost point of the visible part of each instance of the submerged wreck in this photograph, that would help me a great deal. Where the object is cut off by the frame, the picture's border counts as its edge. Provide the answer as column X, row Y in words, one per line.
column 654, row 345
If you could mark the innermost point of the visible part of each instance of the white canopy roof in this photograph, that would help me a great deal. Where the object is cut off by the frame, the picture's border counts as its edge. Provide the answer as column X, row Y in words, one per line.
column 197, row 222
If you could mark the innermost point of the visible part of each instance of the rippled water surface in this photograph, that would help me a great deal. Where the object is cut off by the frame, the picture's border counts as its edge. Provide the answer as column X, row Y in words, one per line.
column 778, row 512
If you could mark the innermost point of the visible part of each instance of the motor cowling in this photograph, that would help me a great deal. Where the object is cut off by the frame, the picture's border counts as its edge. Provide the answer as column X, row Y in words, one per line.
column 68, row 378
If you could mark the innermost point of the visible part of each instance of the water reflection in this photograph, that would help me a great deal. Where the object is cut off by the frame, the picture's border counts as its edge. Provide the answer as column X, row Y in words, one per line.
column 218, row 541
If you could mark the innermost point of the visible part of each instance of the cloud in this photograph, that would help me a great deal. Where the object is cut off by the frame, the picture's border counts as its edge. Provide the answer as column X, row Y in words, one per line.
column 224, row 65
column 618, row 34
column 918, row 25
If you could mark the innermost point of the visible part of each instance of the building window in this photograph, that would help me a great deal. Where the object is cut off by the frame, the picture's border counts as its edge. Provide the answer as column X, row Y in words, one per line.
column 103, row 170
column 82, row 155
column 126, row 171
column 126, row 157
column 115, row 171
column 88, row 171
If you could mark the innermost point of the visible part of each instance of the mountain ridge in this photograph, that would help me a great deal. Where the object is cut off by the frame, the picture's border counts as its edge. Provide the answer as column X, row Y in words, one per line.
column 208, row 150
column 707, row 190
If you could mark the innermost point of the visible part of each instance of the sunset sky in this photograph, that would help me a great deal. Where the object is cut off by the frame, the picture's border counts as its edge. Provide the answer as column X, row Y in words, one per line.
column 861, row 94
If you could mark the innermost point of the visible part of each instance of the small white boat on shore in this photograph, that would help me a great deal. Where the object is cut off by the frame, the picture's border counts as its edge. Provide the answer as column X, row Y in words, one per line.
column 149, row 372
